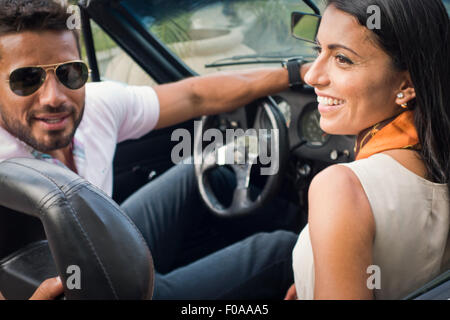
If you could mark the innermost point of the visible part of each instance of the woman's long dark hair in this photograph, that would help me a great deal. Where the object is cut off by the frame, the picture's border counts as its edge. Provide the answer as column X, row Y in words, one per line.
column 415, row 33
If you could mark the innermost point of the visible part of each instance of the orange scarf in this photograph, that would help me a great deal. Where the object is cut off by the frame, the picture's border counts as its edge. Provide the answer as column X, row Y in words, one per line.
column 400, row 133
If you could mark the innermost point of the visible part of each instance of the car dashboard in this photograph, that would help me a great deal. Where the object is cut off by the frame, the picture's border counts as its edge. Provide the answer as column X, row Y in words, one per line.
column 306, row 138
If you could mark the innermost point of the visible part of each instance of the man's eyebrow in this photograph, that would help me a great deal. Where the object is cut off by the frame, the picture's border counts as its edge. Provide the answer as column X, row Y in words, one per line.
column 335, row 46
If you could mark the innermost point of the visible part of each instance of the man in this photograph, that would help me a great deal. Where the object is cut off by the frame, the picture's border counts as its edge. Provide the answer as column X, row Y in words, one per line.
column 47, row 112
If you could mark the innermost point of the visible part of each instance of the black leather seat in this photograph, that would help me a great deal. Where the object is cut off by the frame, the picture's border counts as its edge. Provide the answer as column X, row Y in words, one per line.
column 51, row 219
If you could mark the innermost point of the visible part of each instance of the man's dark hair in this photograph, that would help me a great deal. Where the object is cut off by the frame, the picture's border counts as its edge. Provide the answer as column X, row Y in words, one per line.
column 35, row 15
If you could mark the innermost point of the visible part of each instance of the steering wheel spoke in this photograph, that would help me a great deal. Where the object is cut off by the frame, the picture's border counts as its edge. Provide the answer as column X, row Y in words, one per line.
column 242, row 172
column 241, row 199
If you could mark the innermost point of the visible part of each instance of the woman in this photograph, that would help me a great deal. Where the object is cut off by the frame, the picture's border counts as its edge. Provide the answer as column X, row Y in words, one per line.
column 383, row 230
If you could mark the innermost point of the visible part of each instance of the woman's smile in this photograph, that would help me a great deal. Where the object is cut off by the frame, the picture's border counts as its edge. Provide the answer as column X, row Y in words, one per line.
column 328, row 103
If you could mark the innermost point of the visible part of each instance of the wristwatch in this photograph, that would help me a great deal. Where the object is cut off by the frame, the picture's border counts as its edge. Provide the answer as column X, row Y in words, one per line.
column 293, row 66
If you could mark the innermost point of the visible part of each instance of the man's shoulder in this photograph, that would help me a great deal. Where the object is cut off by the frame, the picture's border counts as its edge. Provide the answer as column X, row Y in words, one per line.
column 117, row 94
column 103, row 98
column 106, row 84
column 11, row 147
column 130, row 110
column 104, row 89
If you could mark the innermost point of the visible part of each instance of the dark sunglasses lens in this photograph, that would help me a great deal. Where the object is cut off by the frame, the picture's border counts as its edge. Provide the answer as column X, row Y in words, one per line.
column 26, row 81
column 73, row 75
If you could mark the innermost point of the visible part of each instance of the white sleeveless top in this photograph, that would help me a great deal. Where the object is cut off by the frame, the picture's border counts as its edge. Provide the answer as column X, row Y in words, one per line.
column 412, row 240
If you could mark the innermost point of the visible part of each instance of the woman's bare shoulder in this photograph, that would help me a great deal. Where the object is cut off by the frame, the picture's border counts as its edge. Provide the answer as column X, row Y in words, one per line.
column 337, row 177
column 337, row 189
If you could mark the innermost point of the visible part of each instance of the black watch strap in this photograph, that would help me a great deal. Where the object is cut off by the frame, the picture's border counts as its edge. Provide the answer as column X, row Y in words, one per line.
column 293, row 67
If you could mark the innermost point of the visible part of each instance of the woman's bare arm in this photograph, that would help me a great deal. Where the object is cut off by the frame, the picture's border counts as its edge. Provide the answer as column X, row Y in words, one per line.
column 342, row 230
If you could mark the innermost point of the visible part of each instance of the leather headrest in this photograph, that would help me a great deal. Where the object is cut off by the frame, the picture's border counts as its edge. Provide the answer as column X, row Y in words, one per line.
column 84, row 228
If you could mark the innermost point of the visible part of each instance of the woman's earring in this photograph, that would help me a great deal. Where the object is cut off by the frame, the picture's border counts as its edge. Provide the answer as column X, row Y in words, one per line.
column 401, row 95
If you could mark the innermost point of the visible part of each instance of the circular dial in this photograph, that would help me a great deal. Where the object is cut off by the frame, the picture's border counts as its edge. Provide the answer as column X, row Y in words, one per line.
column 310, row 128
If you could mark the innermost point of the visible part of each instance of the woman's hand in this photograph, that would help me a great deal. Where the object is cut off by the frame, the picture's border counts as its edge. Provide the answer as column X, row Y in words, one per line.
column 48, row 290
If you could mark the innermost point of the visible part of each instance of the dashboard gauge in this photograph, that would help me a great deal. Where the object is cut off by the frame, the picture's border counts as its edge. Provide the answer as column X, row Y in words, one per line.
column 310, row 127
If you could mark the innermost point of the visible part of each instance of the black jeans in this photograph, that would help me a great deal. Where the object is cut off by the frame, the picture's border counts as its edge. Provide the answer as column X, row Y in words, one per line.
column 200, row 256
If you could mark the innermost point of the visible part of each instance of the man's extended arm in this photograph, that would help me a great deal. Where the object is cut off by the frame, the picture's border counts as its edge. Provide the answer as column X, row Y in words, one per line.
column 219, row 92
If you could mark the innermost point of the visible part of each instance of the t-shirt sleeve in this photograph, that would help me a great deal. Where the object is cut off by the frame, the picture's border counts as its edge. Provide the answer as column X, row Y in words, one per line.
column 132, row 110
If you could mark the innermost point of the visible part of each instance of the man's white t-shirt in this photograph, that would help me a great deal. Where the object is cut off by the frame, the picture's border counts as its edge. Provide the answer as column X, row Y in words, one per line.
column 113, row 113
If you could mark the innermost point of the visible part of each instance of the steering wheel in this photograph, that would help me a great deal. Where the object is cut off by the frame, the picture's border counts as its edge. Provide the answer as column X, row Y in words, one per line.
column 267, row 134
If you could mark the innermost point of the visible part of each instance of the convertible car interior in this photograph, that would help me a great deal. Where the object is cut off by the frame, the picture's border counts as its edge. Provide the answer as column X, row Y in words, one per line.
column 51, row 219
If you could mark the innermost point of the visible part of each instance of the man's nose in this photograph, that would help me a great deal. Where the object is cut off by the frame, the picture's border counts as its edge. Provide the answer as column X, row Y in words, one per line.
column 51, row 93
column 317, row 75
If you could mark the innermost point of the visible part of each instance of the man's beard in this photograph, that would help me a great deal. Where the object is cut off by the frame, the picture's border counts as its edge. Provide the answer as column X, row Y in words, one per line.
column 57, row 141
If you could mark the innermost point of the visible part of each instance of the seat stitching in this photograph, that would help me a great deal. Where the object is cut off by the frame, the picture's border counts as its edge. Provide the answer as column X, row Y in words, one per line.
column 122, row 214
column 49, row 196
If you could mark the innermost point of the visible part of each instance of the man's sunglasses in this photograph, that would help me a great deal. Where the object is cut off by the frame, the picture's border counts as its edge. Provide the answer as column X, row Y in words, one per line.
column 27, row 80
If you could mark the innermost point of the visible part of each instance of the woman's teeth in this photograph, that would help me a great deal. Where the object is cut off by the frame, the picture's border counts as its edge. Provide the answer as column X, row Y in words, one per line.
column 329, row 101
